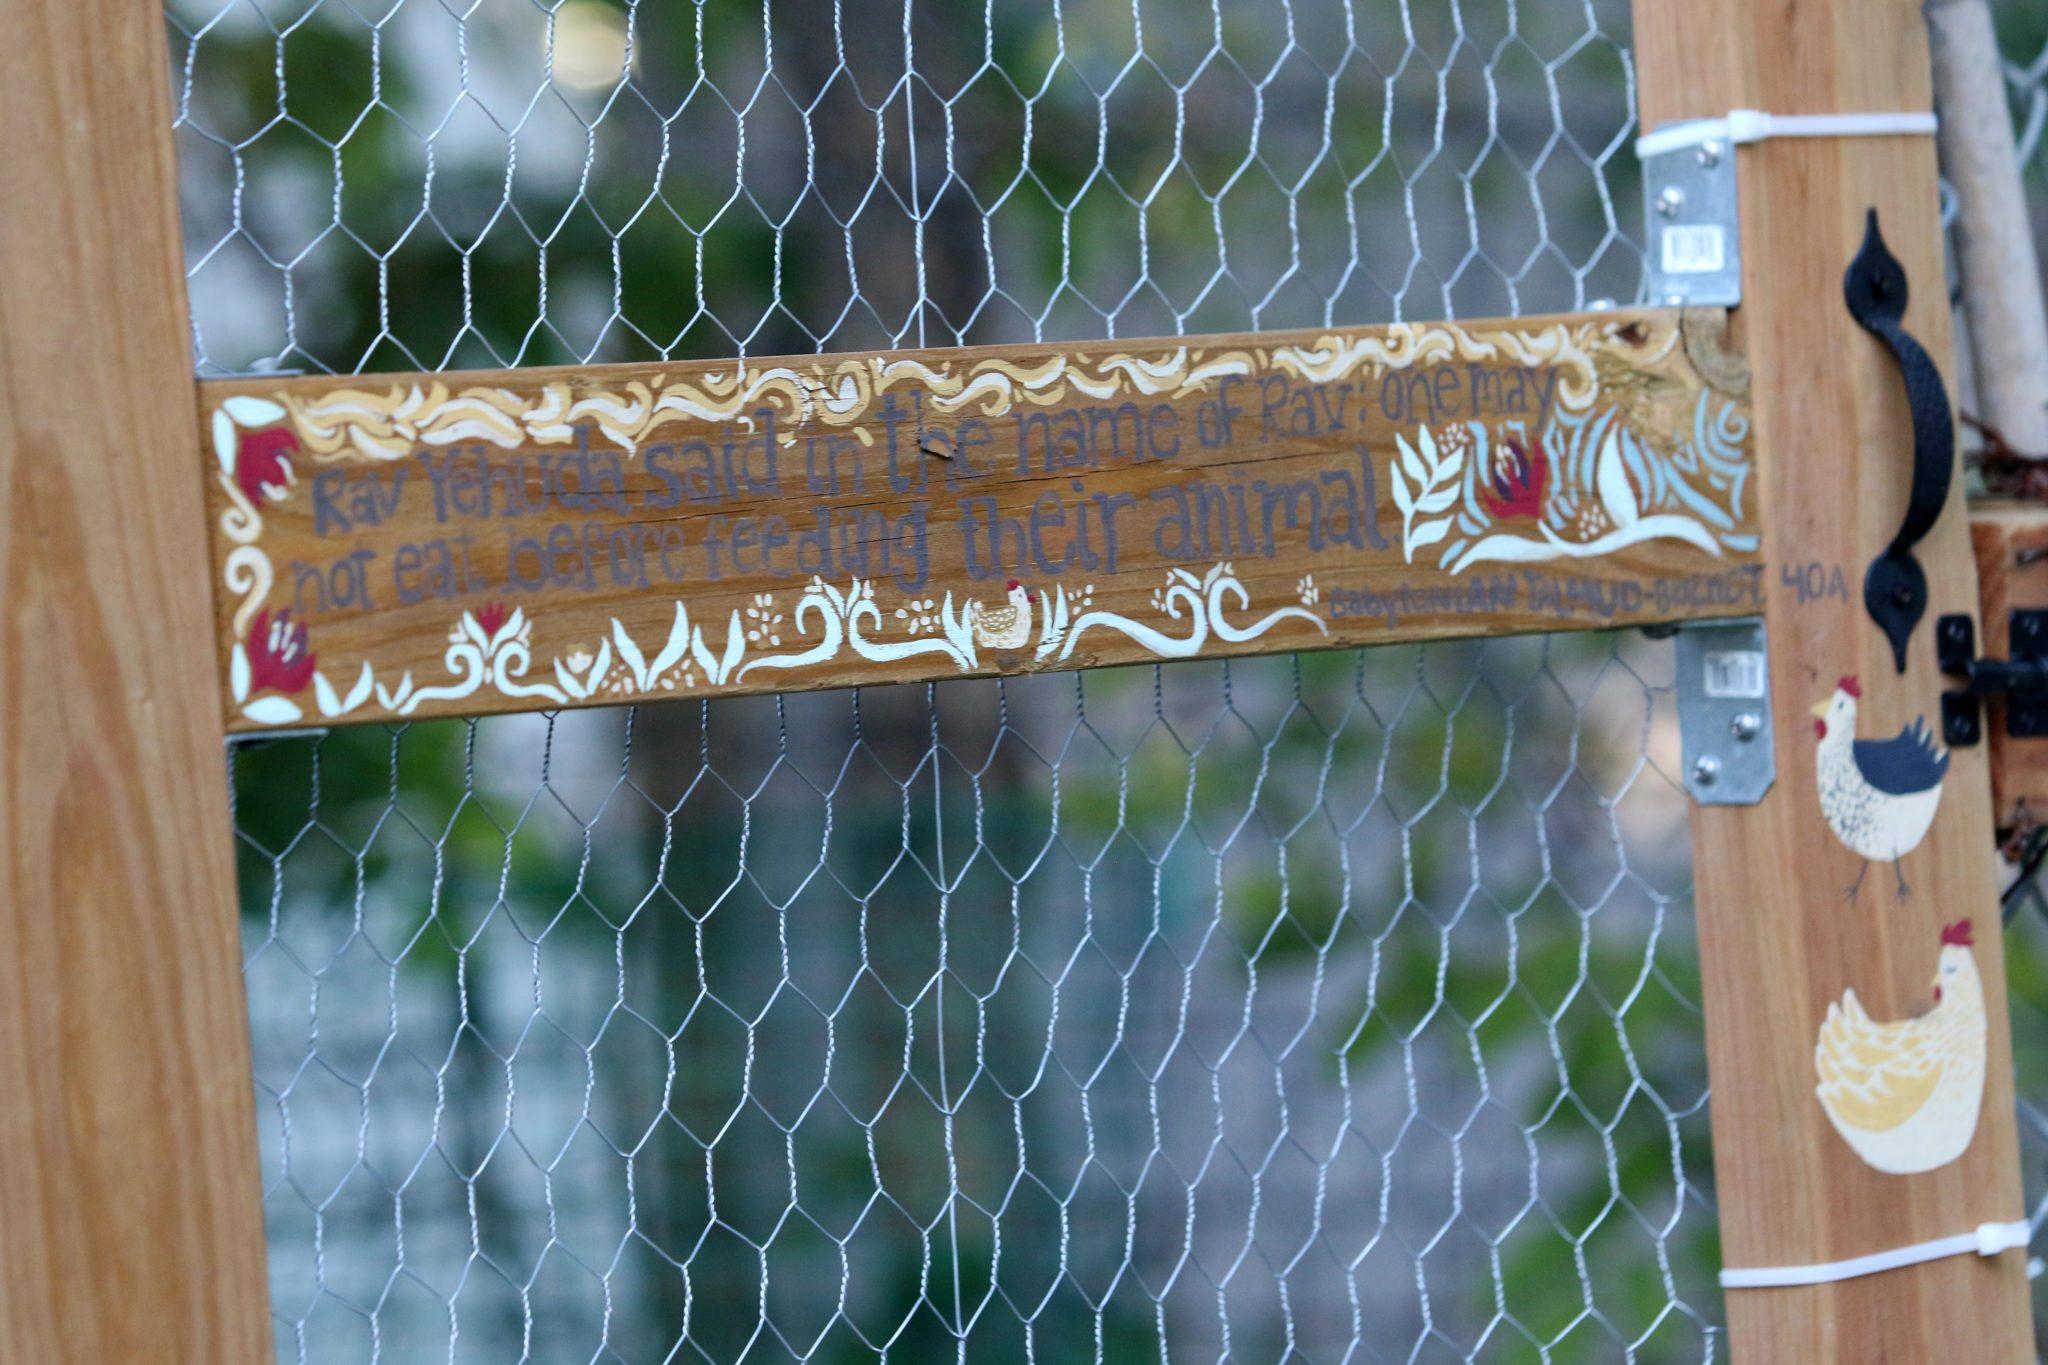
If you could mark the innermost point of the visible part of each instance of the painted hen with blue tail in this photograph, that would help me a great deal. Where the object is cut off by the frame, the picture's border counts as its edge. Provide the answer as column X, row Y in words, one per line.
column 1878, row 795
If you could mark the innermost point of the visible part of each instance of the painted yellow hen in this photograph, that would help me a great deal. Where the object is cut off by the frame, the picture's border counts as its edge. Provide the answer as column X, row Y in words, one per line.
column 1905, row 1095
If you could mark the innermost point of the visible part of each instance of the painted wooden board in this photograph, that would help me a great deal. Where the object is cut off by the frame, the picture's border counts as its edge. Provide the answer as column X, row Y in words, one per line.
column 439, row 544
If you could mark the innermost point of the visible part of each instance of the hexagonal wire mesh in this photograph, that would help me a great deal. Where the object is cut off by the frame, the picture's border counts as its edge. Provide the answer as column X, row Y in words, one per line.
column 414, row 184
column 1340, row 1005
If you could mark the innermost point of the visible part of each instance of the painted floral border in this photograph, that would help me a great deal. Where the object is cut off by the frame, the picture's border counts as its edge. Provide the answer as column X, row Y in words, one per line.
column 492, row 647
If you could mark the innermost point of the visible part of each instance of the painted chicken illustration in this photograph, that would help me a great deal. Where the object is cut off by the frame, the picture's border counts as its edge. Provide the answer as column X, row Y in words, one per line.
column 1006, row 627
column 1879, row 795
column 1905, row 1095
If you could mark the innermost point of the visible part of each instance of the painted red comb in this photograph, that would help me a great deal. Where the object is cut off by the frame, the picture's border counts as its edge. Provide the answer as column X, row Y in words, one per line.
column 1849, row 684
column 1958, row 934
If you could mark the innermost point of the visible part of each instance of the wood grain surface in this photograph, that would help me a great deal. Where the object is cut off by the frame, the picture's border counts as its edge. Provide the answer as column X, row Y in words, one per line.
column 130, row 1228
column 1780, row 940
column 441, row 544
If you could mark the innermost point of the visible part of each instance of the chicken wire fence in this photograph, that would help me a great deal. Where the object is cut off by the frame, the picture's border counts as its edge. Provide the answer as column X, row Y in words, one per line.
column 1340, row 1005
column 417, row 184
column 1333, row 1007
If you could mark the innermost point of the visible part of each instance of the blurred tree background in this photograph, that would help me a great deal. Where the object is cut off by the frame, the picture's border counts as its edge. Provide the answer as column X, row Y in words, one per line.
column 1342, row 1005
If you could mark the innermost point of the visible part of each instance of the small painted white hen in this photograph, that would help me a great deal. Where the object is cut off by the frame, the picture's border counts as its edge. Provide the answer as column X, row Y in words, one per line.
column 1004, row 628
column 1878, row 795
column 1905, row 1095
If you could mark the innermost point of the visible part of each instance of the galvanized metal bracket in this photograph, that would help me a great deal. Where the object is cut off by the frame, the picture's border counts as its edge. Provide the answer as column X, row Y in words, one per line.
column 1689, row 192
column 1724, row 712
column 1689, row 203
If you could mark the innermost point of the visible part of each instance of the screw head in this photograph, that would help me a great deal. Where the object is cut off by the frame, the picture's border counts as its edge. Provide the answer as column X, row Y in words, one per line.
column 1670, row 200
column 1746, row 726
column 1705, row 769
column 1709, row 153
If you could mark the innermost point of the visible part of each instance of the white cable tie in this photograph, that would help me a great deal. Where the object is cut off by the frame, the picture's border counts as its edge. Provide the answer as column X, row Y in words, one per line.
column 1988, row 1240
column 1754, row 125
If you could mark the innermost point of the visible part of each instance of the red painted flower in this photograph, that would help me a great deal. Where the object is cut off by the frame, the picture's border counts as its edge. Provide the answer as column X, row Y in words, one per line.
column 278, row 658
column 491, row 618
column 1518, row 483
column 263, row 465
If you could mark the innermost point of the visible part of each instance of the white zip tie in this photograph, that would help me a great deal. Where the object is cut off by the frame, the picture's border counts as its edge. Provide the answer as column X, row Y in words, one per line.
column 1988, row 1240
column 1753, row 125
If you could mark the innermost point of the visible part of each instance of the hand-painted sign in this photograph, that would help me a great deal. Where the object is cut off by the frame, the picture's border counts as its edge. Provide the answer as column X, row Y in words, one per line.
column 420, row 545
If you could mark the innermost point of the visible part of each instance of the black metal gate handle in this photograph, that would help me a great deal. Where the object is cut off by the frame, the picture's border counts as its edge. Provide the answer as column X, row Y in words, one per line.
column 1895, row 586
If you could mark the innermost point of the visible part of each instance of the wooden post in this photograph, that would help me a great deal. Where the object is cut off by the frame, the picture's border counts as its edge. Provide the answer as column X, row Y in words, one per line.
column 1779, row 941
column 130, row 1218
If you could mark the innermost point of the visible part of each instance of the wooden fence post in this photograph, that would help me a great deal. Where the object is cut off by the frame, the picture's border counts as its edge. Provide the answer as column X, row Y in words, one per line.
column 130, row 1219
column 1779, row 941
